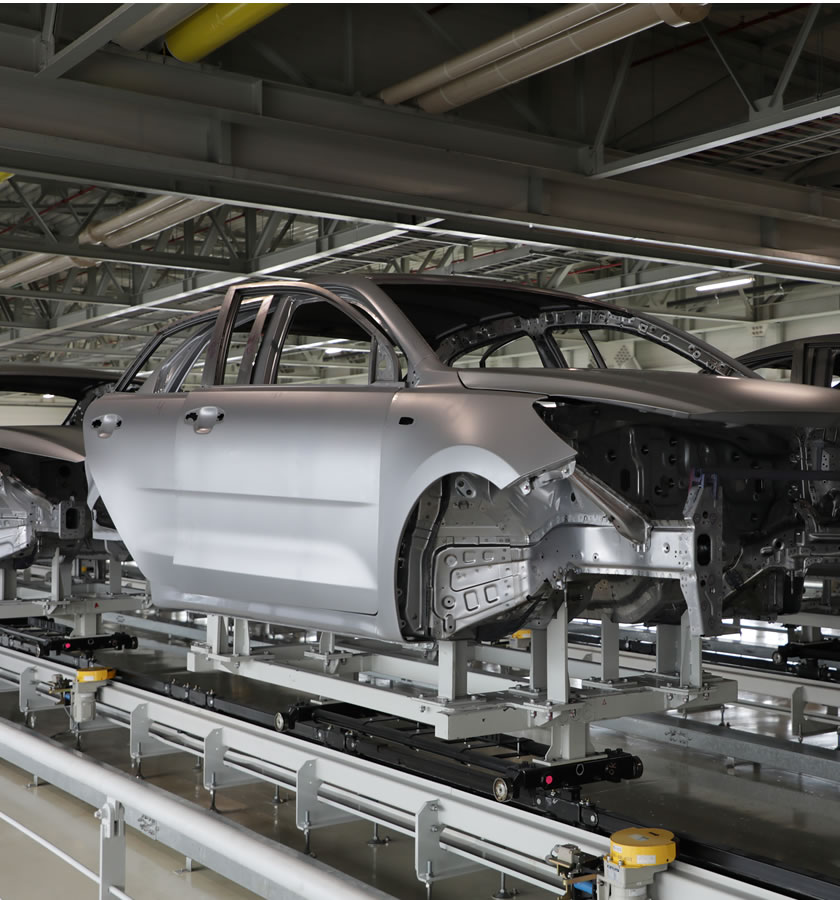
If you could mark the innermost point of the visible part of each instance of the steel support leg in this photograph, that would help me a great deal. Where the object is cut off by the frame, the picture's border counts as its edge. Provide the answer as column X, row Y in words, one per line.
column 115, row 575
column 691, row 655
column 538, row 659
column 60, row 578
column 557, row 662
column 241, row 638
column 667, row 649
column 8, row 584
column 569, row 741
column 609, row 648
column 217, row 636
column 452, row 669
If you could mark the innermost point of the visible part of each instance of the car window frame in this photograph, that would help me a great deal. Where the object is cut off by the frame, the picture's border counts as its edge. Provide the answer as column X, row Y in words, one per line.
column 384, row 360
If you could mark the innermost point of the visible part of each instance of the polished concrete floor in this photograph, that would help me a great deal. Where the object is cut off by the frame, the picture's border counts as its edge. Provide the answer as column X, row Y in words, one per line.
column 782, row 816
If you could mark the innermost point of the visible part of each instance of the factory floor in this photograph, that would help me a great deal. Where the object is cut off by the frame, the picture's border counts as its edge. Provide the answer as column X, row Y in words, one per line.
column 783, row 816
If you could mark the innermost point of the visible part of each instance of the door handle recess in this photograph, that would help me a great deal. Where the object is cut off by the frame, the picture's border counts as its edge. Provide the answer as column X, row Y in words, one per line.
column 106, row 425
column 205, row 418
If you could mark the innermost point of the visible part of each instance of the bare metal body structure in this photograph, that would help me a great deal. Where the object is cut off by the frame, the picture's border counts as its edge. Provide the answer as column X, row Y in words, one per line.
column 441, row 502
column 43, row 510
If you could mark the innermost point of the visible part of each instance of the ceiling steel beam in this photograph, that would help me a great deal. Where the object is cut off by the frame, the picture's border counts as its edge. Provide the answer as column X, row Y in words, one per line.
column 125, row 255
column 277, row 261
column 295, row 148
column 483, row 261
column 769, row 119
column 92, row 40
column 307, row 150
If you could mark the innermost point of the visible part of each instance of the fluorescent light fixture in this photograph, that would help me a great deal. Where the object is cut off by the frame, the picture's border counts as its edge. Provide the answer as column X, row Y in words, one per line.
column 334, row 351
column 725, row 285
column 642, row 286
column 48, row 396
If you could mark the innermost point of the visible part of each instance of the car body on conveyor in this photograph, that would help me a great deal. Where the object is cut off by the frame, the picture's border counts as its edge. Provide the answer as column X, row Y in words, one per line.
column 811, row 360
column 414, row 458
column 42, row 479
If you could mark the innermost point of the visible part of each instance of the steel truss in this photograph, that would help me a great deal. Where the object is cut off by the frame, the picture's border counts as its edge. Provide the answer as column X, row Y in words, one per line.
column 454, row 832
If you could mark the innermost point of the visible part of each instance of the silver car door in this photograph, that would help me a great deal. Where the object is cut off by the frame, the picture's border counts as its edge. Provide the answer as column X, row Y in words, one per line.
column 130, row 448
column 278, row 484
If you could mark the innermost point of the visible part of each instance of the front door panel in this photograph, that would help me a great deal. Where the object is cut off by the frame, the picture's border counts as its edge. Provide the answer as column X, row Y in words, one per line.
column 278, row 496
column 130, row 452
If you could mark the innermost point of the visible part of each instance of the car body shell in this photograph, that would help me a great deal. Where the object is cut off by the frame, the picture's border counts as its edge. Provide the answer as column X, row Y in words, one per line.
column 433, row 501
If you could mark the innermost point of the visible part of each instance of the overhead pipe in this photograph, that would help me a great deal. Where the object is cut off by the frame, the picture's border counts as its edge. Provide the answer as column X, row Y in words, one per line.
column 142, row 221
column 215, row 25
column 599, row 32
column 96, row 234
column 122, row 230
column 160, row 19
column 550, row 25
column 34, row 266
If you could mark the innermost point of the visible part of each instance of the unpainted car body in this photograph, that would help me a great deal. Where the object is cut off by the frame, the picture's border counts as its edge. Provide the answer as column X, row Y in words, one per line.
column 436, row 495
column 43, row 490
column 811, row 360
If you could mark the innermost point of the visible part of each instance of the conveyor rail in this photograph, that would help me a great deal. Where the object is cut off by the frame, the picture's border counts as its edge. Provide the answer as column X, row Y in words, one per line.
column 332, row 786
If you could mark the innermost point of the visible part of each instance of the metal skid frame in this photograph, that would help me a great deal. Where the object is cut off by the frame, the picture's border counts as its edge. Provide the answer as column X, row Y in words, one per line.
column 472, row 690
column 78, row 605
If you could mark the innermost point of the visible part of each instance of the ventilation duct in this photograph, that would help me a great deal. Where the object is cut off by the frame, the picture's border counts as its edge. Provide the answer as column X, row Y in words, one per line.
column 556, row 22
column 134, row 224
column 215, row 25
column 587, row 33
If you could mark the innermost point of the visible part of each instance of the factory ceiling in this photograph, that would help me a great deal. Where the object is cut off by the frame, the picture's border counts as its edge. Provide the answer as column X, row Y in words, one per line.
column 675, row 150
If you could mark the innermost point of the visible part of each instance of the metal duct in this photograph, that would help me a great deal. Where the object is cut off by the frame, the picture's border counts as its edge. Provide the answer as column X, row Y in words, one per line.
column 39, row 265
column 142, row 221
column 155, row 24
column 551, row 25
column 606, row 29
column 214, row 26
column 96, row 234
column 144, row 226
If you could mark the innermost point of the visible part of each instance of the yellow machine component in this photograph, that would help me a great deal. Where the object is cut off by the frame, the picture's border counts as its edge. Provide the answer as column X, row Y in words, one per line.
column 522, row 634
column 638, row 847
column 4, row 176
column 215, row 25
column 84, row 676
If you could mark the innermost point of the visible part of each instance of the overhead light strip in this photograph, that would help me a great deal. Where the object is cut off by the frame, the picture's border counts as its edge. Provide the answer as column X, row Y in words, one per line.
column 649, row 284
column 725, row 285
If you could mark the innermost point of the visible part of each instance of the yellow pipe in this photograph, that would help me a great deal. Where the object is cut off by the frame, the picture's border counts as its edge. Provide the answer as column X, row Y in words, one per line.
column 215, row 25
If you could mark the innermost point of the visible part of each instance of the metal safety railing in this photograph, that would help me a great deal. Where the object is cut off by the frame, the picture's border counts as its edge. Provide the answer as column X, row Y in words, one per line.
column 254, row 862
column 65, row 857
